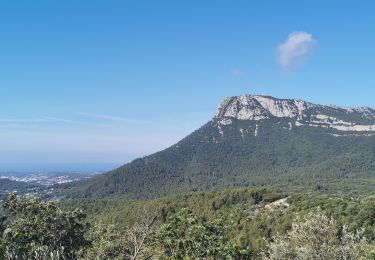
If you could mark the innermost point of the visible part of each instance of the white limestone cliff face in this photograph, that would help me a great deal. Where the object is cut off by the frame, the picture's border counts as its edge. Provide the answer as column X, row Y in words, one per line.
column 283, row 108
column 249, row 107
column 258, row 107
column 241, row 108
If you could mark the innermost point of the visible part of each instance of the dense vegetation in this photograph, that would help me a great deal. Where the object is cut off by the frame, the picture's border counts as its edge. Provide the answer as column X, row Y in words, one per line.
column 304, row 157
column 226, row 224
column 32, row 229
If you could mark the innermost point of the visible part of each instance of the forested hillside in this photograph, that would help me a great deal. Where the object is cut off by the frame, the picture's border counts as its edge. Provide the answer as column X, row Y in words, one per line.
column 301, row 157
column 226, row 224
column 253, row 141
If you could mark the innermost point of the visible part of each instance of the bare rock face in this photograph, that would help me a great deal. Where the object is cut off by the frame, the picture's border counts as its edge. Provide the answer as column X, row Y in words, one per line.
column 249, row 107
column 258, row 107
column 242, row 108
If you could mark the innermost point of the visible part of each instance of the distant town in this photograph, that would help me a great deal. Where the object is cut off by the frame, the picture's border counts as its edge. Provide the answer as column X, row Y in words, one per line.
column 46, row 178
column 37, row 184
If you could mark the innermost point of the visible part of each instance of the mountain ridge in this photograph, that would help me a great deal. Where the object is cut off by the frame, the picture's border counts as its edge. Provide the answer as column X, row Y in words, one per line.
column 290, row 143
column 260, row 107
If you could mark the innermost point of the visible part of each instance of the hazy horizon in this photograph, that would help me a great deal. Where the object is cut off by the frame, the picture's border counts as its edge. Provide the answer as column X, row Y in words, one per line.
column 57, row 167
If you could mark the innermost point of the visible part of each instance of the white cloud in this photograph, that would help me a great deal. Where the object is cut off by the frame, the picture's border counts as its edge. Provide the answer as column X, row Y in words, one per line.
column 297, row 48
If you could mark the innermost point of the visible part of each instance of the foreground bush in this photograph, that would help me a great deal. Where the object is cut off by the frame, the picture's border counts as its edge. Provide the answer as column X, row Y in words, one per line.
column 318, row 237
column 185, row 236
column 33, row 229
column 109, row 243
column 40, row 230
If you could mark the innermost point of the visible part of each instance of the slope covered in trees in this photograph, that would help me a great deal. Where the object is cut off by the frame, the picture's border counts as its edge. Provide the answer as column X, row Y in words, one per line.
column 227, row 224
column 207, row 159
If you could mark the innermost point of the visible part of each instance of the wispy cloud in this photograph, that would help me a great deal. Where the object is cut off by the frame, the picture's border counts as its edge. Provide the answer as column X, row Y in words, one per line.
column 297, row 48
column 33, row 120
column 112, row 118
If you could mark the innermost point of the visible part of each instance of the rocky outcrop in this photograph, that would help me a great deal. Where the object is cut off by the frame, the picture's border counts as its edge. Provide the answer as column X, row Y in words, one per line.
column 259, row 107
column 254, row 107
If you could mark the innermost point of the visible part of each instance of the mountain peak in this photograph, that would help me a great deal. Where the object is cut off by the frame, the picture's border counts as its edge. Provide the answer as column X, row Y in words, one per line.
column 262, row 107
column 257, row 107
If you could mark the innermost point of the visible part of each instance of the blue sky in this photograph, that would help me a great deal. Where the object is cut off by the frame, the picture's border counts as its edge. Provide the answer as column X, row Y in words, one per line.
column 108, row 81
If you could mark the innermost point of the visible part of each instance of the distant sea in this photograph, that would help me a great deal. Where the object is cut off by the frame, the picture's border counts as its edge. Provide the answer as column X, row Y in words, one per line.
column 57, row 167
